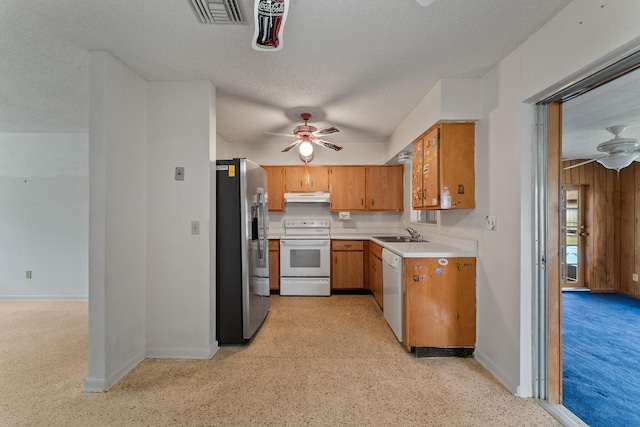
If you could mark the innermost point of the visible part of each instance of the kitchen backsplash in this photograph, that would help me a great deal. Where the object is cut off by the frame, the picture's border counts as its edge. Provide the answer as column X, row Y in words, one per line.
column 358, row 220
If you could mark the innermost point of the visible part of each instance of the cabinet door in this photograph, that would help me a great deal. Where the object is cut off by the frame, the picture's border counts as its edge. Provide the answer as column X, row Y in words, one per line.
column 375, row 278
column 295, row 179
column 347, row 270
column 384, row 188
column 430, row 169
column 440, row 303
column 348, row 188
column 416, row 174
column 275, row 191
column 318, row 178
column 274, row 265
column 457, row 160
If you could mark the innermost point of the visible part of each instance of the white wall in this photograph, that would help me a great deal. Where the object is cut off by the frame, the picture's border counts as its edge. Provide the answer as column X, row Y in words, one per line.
column 449, row 100
column 117, row 220
column 221, row 149
column 179, row 320
column 44, row 216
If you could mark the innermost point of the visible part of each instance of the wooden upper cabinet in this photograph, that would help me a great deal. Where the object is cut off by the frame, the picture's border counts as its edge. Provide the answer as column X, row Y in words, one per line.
column 318, row 178
column 430, row 171
column 416, row 174
column 348, row 188
column 295, row 180
column 444, row 157
column 306, row 178
column 384, row 188
column 275, row 187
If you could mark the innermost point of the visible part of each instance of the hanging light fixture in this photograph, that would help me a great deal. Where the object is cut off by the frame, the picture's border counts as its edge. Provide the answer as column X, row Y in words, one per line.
column 306, row 152
column 618, row 161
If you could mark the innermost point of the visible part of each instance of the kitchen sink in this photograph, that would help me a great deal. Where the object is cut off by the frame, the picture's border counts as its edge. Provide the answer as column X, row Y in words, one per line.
column 397, row 239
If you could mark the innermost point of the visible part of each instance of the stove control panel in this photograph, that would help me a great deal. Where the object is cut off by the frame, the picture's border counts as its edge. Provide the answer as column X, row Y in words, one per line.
column 306, row 223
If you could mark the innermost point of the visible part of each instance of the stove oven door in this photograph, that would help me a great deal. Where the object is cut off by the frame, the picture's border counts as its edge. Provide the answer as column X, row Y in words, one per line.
column 305, row 258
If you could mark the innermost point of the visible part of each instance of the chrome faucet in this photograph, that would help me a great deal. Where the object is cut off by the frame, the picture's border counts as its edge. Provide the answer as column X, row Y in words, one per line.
column 414, row 234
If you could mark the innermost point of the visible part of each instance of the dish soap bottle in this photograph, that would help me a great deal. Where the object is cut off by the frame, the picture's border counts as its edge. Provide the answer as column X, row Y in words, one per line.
column 446, row 198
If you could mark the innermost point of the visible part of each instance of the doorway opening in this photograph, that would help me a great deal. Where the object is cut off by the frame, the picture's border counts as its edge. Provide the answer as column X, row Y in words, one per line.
column 560, row 240
column 572, row 236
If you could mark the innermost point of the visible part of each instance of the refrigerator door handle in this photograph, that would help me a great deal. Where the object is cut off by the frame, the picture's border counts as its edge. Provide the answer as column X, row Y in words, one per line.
column 259, row 220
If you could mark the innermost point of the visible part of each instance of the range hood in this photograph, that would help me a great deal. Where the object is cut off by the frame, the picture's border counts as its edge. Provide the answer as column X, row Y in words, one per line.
column 318, row 197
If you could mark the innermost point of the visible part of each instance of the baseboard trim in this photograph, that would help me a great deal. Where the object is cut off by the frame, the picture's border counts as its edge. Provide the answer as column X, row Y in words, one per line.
column 182, row 352
column 26, row 298
column 99, row 385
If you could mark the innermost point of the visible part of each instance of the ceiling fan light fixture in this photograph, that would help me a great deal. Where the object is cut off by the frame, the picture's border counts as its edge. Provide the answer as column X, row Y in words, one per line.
column 306, row 152
column 618, row 161
column 306, row 149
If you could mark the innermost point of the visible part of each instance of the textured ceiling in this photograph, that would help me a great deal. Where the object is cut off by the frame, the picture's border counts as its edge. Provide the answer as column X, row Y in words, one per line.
column 585, row 119
column 359, row 65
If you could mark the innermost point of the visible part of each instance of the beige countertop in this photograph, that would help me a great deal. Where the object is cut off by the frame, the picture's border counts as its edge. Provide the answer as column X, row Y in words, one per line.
column 435, row 246
column 424, row 249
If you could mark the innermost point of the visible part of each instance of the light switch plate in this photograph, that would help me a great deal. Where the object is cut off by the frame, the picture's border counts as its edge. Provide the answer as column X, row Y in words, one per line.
column 195, row 227
column 179, row 173
column 492, row 222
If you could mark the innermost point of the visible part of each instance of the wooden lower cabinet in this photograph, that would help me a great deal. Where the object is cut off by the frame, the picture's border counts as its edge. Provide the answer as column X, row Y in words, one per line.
column 375, row 272
column 347, row 264
column 274, row 264
column 439, row 302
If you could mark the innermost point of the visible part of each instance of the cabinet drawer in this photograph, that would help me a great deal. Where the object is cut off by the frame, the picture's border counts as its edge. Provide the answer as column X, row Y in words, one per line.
column 347, row 245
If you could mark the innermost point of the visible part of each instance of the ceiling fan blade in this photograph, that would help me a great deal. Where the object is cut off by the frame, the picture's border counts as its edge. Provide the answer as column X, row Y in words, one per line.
column 326, row 131
column 280, row 134
column 328, row 144
column 584, row 163
column 290, row 146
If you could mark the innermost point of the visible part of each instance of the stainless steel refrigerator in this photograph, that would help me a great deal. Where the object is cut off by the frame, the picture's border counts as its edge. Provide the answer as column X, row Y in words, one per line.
column 242, row 250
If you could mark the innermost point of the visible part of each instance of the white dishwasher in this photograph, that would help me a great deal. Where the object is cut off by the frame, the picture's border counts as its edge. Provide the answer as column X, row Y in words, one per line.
column 392, row 290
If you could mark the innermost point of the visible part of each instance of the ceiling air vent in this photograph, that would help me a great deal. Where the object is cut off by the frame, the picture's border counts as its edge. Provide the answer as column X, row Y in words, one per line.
column 217, row 11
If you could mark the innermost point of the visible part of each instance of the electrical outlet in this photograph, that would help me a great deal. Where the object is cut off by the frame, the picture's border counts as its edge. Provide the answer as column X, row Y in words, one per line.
column 179, row 173
column 634, row 277
column 195, row 227
column 492, row 222
column 28, row 275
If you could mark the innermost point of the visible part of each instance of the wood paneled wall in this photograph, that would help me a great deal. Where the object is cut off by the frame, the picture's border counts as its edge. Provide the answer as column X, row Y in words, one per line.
column 603, row 223
column 629, row 229
column 613, row 246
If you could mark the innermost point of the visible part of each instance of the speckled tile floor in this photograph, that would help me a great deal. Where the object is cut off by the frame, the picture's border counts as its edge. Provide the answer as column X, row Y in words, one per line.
column 316, row 361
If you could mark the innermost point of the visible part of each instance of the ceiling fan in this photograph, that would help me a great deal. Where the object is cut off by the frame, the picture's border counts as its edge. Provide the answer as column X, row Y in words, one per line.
column 307, row 135
column 620, row 152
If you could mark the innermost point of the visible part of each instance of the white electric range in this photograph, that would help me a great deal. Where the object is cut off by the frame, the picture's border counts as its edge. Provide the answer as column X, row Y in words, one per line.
column 305, row 258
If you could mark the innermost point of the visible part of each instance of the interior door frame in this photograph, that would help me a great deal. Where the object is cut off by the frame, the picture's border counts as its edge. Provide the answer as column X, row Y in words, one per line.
column 547, row 149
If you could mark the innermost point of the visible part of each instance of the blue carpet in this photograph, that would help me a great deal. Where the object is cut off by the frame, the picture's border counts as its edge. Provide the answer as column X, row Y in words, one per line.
column 601, row 358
